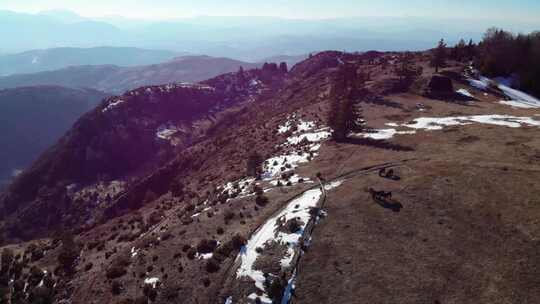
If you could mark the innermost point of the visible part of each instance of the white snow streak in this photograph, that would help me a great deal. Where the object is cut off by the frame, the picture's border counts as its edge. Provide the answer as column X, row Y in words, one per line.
column 465, row 93
column 516, row 96
column 113, row 104
column 520, row 97
column 519, row 104
column 439, row 123
column 385, row 133
column 298, row 209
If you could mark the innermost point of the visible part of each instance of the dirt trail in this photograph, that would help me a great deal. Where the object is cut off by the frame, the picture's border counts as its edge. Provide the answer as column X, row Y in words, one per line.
column 231, row 276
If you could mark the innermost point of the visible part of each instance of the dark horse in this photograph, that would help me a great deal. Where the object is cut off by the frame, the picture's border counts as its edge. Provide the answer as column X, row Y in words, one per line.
column 388, row 174
column 384, row 199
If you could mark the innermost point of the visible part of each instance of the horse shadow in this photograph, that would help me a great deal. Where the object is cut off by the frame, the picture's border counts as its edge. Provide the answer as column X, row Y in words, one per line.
column 389, row 204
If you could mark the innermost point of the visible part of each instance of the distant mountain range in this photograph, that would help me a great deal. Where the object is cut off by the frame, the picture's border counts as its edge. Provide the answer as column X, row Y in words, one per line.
column 57, row 58
column 115, row 79
column 32, row 119
column 243, row 38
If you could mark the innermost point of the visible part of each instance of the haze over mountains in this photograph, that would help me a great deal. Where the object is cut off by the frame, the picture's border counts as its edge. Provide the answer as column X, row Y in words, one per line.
column 243, row 38
column 52, row 59
column 33, row 118
column 116, row 79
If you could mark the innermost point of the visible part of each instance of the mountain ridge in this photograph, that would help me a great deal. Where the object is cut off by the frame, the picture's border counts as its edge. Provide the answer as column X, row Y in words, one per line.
column 115, row 79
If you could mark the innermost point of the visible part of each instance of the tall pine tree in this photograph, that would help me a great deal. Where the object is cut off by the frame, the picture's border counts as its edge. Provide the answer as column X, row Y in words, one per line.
column 345, row 113
column 407, row 71
column 438, row 59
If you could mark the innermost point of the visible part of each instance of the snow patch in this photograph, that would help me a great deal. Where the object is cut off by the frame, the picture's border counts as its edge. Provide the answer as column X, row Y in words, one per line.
column 515, row 96
column 298, row 209
column 268, row 232
column 113, row 104
column 301, row 125
column 432, row 123
column 439, row 123
column 254, row 83
column 273, row 167
column 464, row 92
column 134, row 252
column 295, row 179
column 264, row 299
column 519, row 104
column 520, row 97
column 300, row 147
column 482, row 83
column 204, row 256
column 317, row 136
column 380, row 134
column 166, row 132
column 16, row 172
column 152, row 281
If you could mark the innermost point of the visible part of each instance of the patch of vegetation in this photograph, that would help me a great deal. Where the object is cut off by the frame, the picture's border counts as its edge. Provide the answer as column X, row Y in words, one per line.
column 118, row 267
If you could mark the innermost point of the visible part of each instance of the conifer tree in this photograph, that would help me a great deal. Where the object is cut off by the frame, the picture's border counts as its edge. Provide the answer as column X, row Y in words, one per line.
column 470, row 50
column 283, row 67
column 406, row 70
column 254, row 164
column 345, row 114
column 241, row 75
column 459, row 51
column 69, row 253
column 438, row 59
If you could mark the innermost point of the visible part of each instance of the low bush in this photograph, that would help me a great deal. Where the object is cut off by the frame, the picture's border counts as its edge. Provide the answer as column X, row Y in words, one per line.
column 261, row 200
column 118, row 267
column 212, row 265
column 116, row 287
column 191, row 253
column 206, row 246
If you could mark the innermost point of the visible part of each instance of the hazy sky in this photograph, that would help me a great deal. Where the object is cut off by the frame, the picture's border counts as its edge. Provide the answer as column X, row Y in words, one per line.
column 515, row 10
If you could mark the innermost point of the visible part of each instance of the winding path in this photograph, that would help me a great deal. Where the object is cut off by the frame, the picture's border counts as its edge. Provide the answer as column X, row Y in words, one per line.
column 310, row 226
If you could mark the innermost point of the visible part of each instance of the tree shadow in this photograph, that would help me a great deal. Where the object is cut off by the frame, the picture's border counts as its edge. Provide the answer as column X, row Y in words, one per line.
column 380, row 144
column 379, row 100
column 453, row 97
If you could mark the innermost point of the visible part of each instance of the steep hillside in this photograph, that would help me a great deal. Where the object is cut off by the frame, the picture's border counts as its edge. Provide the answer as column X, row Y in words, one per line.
column 58, row 58
column 238, row 191
column 124, row 138
column 115, row 79
column 34, row 118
